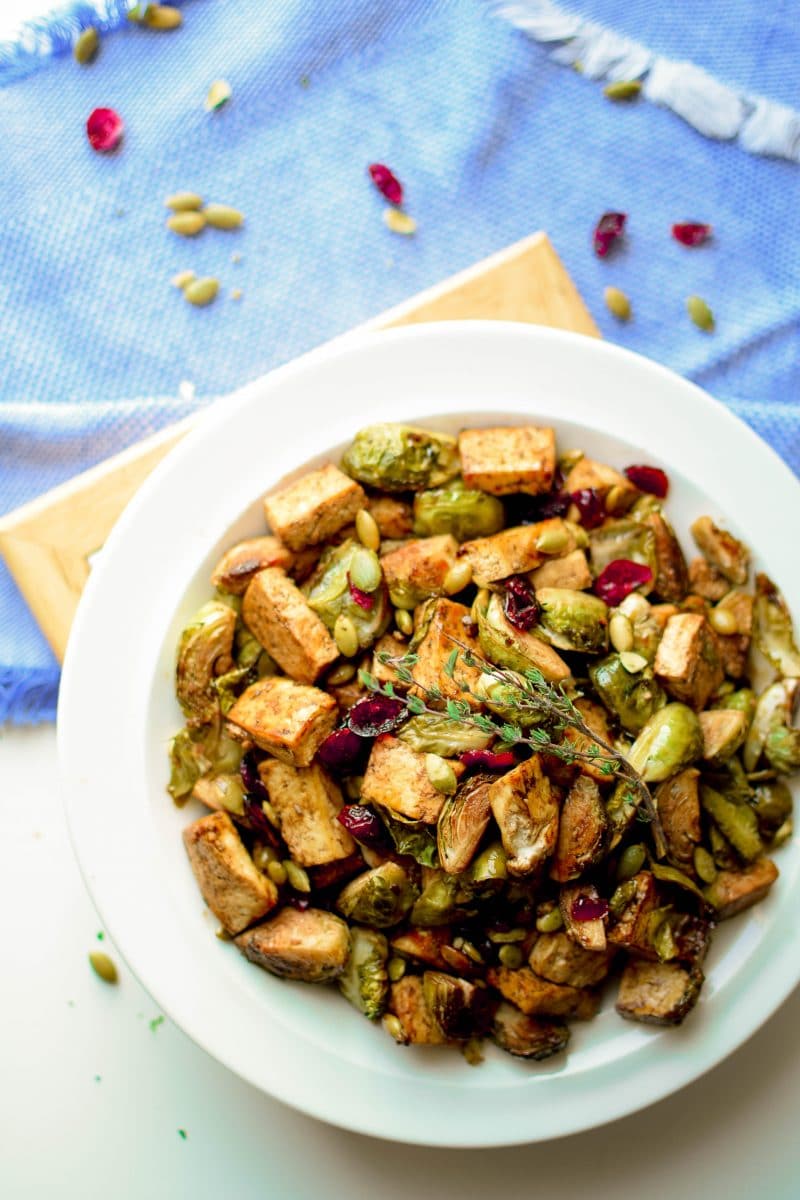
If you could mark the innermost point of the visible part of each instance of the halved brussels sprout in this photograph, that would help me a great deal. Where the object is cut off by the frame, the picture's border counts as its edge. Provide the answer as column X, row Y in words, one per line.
column 364, row 981
column 622, row 539
column 458, row 1007
column 328, row 594
column 438, row 904
column 401, row 458
column 454, row 508
column 782, row 749
column 224, row 791
column 491, row 866
column 194, row 753
column 774, row 710
column 737, row 822
column 413, row 838
column 528, row 1037
column 206, row 640
column 380, row 897
column 506, row 646
column 631, row 698
column 462, row 823
column 772, row 804
column 671, row 739
column 743, row 700
column 432, row 734
column 773, row 630
column 573, row 620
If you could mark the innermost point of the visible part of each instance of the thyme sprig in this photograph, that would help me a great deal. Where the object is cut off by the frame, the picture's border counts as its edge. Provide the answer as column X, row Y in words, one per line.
column 537, row 714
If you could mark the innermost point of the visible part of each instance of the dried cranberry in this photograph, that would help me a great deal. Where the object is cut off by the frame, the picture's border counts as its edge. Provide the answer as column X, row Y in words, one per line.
column 519, row 603
column 364, row 825
column 340, row 749
column 376, row 714
column 362, row 599
column 587, row 908
column 386, row 182
column 608, row 229
column 104, row 129
column 528, row 510
column 652, row 480
column 590, row 505
column 691, row 233
column 489, row 760
column 619, row 579
column 248, row 770
column 256, row 820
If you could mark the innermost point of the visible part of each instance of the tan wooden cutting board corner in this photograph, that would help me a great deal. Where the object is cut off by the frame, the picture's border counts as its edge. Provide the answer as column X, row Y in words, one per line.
column 48, row 542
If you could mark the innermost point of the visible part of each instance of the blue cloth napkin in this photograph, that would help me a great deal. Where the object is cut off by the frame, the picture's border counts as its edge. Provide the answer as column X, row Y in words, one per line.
column 492, row 140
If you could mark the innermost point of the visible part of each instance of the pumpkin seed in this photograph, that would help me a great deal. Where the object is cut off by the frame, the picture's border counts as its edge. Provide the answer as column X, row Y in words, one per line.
column 458, row 577
column 501, row 937
column 352, row 786
column 297, row 877
column 553, row 540
column 86, row 46
column 619, row 499
column 399, row 221
column 623, row 89
column 365, row 570
column 218, row 94
column 187, row 224
column 700, row 313
column 162, row 16
column 367, row 529
column 103, row 966
column 723, row 621
column 342, row 674
column 184, row 201
column 511, row 956
column 620, row 632
column 440, row 774
column 394, row 1027
column 631, row 861
column 404, row 621
column 396, row 969
column 635, row 607
column 182, row 279
column 550, row 922
column 277, row 872
column 263, row 855
column 704, row 864
column 222, row 216
column 346, row 636
column 632, row 662
column 201, row 291
column 570, row 459
column 270, row 813
column 617, row 303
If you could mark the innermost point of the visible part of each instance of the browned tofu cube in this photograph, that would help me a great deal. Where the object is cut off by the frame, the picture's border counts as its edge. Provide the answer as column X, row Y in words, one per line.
column 631, row 927
column 396, row 778
column 556, row 957
column 734, row 646
column 587, row 473
column 658, row 993
column 424, row 945
column 276, row 613
column 569, row 571
column 395, row 646
column 290, row 720
column 591, row 933
column 688, row 662
column 307, row 802
column 232, row 887
column 733, row 891
column 707, row 581
column 394, row 518
column 526, row 812
column 581, row 831
column 539, row 997
column 417, row 569
column 407, row 1002
column 722, row 550
column 506, row 459
column 510, row 552
column 724, row 730
column 314, row 507
column 528, row 1037
column 678, row 803
column 597, row 720
column 312, row 946
column 441, row 624
column 238, row 565
column 672, row 576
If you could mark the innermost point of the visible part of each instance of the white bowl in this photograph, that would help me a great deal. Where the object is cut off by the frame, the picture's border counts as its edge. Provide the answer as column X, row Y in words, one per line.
column 117, row 711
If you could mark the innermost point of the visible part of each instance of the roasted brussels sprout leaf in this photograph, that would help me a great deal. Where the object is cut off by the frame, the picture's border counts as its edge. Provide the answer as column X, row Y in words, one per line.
column 413, row 838
column 573, row 620
column 632, row 697
column 454, row 508
column 528, row 1037
column 205, row 642
column 380, row 897
column 738, row 822
column 364, row 981
column 400, row 458
column 459, row 1008
column 462, row 823
column 773, row 629
column 430, row 733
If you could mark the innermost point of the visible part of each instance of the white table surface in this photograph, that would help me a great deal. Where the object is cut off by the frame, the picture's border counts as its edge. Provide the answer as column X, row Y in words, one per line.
column 92, row 1098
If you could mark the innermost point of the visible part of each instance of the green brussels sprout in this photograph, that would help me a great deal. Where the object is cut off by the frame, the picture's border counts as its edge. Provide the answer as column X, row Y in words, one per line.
column 624, row 538
column 671, row 739
column 454, row 508
column 194, row 753
column 573, row 620
column 743, row 700
column 772, row 804
column 738, row 822
column 432, row 734
column 458, row 1007
column 491, row 865
column 632, row 699
column 644, row 507
column 508, row 647
column 222, row 791
column 206, row 640
column 401, row 458
column 772, row 629
column 328, row 594
column 774, row 709
column 365, row 982
column 462, row 823
column 413, row 838
column 729, row 778
column 438, row 903
column 666, row 874
column 380, row 897
column 782, row 749
column 528, row 1037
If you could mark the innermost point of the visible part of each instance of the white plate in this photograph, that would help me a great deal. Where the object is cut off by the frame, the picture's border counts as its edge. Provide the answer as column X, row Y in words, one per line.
column 117, row 712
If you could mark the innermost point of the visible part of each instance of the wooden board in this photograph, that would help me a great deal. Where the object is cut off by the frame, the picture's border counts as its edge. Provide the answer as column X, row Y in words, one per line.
column 48, row 543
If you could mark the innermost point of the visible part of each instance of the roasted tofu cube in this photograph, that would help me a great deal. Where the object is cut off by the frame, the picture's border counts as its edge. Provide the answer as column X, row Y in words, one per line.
column 396, row 778
column 707, row 581
column 581, row 831
column 678, row 803
column 631, row 927
column 232, row 887
column 587, row 473
column 395, row 646
column 424, row 945
column 590, row 934
column 394, row 518
column 733, row 891
column 290, row 720
column 238, row 565
column 526, row 812
column 314, row 507
column 569, row 571
column 722, row 550
column 440, row 625
column 658, row 993
column 556, row 957
column 506, row 459
column 688, row 662
column 407, row 1002
column 528, row 1037
column 276, row 613
column 539, row 997
column 510, row 552
column 724, row 730
column 734, row 646
column 417, row 569
column 312, row 946
column 596, row 718
column 307, row 802
column 672, row 575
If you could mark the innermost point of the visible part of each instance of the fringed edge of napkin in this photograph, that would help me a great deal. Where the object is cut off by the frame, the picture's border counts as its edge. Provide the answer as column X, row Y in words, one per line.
column 54, row 33
column 28, row 696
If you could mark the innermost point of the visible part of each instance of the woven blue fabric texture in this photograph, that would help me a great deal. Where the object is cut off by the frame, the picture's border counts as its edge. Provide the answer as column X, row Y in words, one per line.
column 492, row 140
